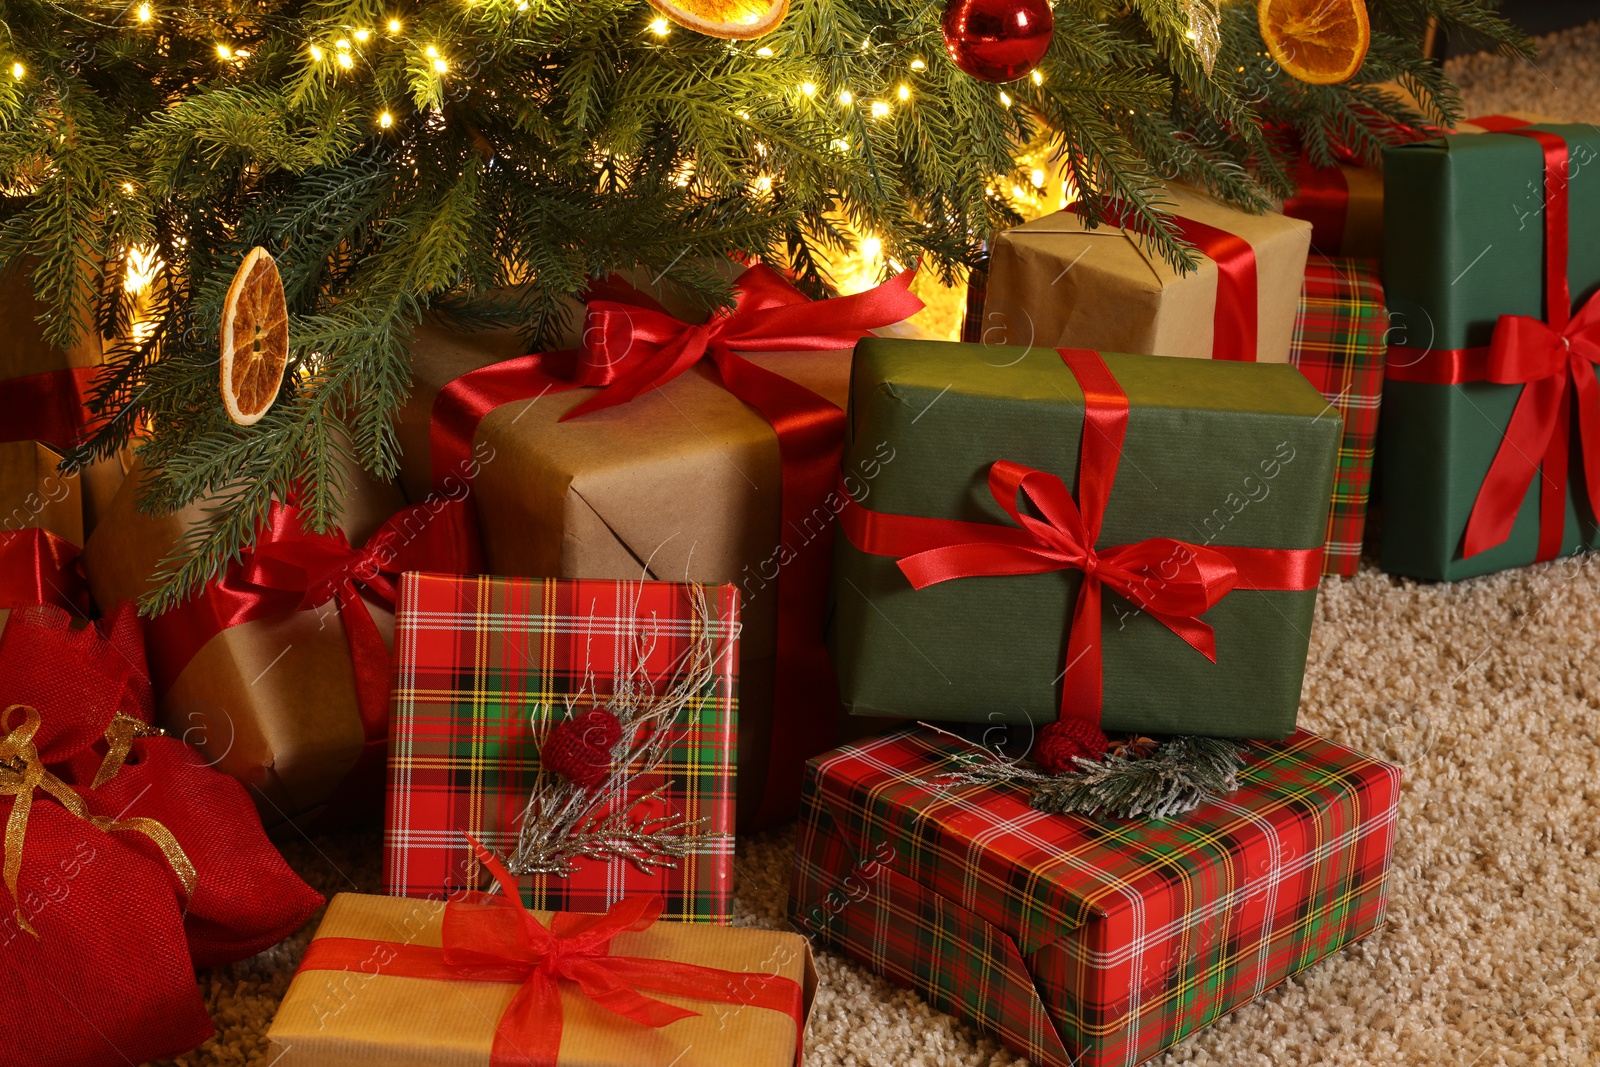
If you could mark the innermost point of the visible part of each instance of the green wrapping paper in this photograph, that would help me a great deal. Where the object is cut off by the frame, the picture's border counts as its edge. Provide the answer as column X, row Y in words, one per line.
column 1464, row 244
column 1219, row 453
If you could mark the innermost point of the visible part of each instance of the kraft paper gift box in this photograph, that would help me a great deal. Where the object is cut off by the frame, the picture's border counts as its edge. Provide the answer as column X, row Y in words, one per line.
column 681, row 483
column 1054, row 281
column 1087, row 941
column 1235, row 459
column 486, row 670
column 353, row 1000
column 1488, row 455
column 1340, row 342
column 275, row 701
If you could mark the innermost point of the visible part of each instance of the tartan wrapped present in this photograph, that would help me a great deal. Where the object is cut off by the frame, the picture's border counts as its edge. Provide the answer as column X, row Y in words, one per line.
column 1090, row 942
column 492, row 672
column 1181, row 566
column 1489, row 452
column 1340, row 337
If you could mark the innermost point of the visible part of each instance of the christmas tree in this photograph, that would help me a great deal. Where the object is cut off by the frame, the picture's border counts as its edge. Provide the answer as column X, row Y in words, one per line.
column 482, row 160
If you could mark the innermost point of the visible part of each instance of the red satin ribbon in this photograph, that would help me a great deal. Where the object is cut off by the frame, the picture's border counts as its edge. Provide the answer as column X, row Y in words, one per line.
column 37, row 567
column 1322, row 199
column 630, row 347
column 496, row 939
column 1174, row 581
column 46, row 407
column 1499, row 123
column 291, row 569
column 1553, row 360
column 1234, row 319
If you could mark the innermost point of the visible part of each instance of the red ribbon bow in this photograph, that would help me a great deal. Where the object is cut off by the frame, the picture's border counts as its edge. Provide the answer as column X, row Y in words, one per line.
column 496, row 939
column 38, row 567
column 632, row 346
column 1175, row 581
column 1553, row 360
column 293, row 569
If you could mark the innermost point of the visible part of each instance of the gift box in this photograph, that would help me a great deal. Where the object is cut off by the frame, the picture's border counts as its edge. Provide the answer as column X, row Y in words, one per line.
column 417, row 983
column 1344, row 205
column 1199, row 510
column 1088, row 942
column 1493, row 350
column 279, row 670
column 1340, row 342
column 1055, row 281
column 495, row 679
column 129, row 861
column 629, row 458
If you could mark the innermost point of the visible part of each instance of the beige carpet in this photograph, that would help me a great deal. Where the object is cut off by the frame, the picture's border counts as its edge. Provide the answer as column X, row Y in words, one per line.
column 1488, row 692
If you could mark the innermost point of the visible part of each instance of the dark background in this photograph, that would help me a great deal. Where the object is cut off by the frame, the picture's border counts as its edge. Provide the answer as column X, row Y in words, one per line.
column 1533, row 16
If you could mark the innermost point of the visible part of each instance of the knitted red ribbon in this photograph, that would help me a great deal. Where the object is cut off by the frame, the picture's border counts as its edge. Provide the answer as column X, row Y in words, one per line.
column 1174, row 581
column 1234, row 319
column 632, row 346
column 1553, row 360
column 292, row 569
column 46, row 407
column 496, row 939
column 38, row 567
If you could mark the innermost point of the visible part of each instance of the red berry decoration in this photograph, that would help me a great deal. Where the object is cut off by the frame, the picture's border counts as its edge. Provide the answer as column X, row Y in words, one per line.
column 1060, row 741
column 579, row 749
column 998, row 40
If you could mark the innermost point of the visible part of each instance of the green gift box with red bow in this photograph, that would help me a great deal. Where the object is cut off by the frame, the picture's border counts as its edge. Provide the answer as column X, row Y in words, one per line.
column 1130, row 540
column 1489, row 446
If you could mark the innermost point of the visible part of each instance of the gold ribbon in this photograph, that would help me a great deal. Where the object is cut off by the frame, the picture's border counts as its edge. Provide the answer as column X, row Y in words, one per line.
column 21, row 772
column 119, row 742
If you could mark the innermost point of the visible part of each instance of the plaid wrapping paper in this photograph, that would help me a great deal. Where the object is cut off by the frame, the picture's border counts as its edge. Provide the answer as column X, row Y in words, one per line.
column 1090, row 942
column 1339, row 345
column 476, row 659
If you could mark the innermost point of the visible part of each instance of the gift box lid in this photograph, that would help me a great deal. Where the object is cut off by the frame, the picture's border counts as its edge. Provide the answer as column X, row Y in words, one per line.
column 1037, row 876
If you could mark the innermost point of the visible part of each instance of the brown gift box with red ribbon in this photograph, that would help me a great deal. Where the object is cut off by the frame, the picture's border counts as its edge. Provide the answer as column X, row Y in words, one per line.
column 475, row 983
column 1055, row 281
column 279, row 670
column 666, row 464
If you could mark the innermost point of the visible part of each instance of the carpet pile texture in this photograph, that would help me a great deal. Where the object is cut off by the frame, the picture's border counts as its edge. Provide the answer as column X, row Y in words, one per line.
column 1486, row 691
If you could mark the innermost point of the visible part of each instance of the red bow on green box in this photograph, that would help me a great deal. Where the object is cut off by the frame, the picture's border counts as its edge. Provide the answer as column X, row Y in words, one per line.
column 1174, row 581
column 497, row 939
column 1554, row 361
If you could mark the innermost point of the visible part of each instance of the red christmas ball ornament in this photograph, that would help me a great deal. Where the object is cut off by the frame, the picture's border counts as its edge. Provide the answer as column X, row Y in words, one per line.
column 579, row 749
column 1060, row 741
column 997, row 40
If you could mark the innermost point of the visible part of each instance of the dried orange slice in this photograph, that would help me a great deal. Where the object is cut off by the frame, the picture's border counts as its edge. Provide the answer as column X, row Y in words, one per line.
column 1322, row 42
column 733, row 19
column 255, row 339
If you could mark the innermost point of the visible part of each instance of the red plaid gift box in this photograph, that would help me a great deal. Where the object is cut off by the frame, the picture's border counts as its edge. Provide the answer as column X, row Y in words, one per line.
column 1340, row 342
column 480, row 661
column 1090, row 941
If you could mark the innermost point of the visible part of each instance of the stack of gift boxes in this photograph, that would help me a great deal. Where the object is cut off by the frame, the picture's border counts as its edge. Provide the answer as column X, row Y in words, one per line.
column 956, row 606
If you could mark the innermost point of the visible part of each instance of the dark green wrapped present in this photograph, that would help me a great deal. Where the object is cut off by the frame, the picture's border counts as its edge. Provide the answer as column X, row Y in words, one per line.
column 1491, row 409
column 1204, row 495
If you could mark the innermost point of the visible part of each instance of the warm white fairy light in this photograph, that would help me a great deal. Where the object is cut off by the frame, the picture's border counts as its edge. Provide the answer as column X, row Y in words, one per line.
column 224, row 52
column 362, row 35
column 385, row 119
column 808, row 88
column 1038, row 77
column 140, row 266
column 880, row 110
column 18, row 70
column 846, row 97
column 142, row 13
column 764, row 52
column 440, row 66
column 316, row 53
column 841, row 144
column 1037, row 177
column 431, row 52
column 342, row 45
column 871, row 249
column 345, row 61
column 917, row 64
column 394, row 25
column 904, row 92
column 127, row 187
column 660, row 27
column 1005, row 98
